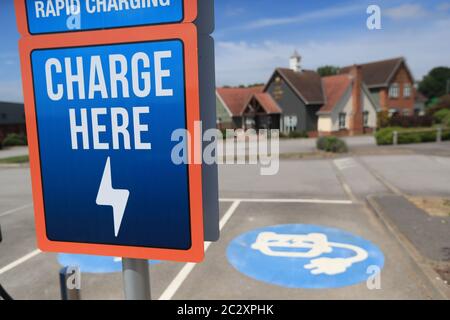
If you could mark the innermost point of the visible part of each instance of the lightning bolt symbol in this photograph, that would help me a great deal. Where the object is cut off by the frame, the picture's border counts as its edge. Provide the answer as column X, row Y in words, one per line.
column 108, row 196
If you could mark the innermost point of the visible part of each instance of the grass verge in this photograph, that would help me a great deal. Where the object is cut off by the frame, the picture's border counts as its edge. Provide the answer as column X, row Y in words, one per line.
column 15, row 160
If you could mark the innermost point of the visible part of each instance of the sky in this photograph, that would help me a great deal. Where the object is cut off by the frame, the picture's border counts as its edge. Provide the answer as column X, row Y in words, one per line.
column 253, row 37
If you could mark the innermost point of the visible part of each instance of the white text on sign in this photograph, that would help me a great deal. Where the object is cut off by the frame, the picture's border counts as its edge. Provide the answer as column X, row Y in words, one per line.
column 56, row 8
column 125, row 127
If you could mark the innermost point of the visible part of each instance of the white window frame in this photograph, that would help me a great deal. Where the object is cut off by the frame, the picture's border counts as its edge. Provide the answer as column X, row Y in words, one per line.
column 342, row 121
column 366, row 117
column 407, row 90
column 290, row 123
column 394, row 90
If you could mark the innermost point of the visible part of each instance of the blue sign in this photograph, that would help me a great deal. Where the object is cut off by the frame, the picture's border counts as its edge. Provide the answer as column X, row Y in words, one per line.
column 105, row 116
column 52, row 16
column 305, row 256
column 94, row 264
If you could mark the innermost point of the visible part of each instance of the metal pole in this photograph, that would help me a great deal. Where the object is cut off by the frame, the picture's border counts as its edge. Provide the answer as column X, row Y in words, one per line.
column 395, row 138
column 439, row 135
column 136, row 279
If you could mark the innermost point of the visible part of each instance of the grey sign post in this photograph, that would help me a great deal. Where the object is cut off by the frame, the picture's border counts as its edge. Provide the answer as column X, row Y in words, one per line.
column 136, row 272
column 207, row 82
column 136, row 279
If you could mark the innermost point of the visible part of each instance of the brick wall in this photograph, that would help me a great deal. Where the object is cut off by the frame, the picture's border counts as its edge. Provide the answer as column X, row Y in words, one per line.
column 401, row 103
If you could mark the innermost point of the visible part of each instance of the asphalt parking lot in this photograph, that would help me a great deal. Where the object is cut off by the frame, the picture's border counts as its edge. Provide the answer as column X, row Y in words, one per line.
column 327, row 193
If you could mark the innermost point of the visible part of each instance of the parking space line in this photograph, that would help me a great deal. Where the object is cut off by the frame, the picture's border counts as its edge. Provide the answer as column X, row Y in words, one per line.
column 4, row 214
column 176, row 283
column 19, row 261
column 313, row 201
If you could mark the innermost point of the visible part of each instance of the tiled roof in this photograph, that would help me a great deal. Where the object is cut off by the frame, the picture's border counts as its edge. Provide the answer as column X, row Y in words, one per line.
column 377, row 74
column 307, row 84
column 335, row 87
column 236, row 98
column 267, row 103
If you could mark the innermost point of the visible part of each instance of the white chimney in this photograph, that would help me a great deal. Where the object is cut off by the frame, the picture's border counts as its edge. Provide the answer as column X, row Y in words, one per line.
column 295, row 62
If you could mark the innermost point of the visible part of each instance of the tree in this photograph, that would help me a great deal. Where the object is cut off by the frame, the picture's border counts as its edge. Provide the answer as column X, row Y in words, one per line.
column 326, row 71
column 435, row 84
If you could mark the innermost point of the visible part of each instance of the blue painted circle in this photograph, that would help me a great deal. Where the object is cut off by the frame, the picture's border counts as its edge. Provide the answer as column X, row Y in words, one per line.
column 305, row 256
column 92, row 264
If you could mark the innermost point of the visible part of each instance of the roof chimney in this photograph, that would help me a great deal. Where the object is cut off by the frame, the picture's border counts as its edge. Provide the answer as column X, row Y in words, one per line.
column 295, row 62
column 357, row 117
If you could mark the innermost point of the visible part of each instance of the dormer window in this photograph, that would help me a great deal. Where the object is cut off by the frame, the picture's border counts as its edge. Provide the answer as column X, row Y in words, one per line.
column 394, row 90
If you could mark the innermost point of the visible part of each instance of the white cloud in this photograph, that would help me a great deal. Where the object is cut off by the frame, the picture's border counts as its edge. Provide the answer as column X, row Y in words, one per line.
column 406, row 11
column 9, row 62
column 327, row 13
column 424, row 48
column 233, row 11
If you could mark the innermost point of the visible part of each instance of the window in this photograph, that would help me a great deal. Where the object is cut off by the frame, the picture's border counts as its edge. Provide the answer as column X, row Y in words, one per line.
column 394, row 90
column 366, row 119
column 290, row 124
column 342, row 120
column 407, row 89
column 405, row 112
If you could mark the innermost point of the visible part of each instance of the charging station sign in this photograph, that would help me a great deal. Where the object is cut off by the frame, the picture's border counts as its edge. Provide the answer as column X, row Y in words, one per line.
column 55, row 16
column 101, row 107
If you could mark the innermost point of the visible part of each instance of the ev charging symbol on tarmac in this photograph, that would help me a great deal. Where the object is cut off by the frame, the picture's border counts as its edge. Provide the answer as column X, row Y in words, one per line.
column 316, row 245
column 306, row 256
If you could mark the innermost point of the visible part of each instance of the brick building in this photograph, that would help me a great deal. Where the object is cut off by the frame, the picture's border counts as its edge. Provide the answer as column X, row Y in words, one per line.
column 391, row 84
column 299, row 100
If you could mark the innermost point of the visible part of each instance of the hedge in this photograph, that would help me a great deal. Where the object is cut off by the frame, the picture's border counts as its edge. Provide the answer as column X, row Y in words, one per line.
column 332, row 144
column 14, row 139
column 407, row 136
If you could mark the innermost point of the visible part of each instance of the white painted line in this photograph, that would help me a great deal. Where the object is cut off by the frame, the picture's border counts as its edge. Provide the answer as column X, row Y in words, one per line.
column 188, row 267
column 228, row 214
column 315, row 201
column 346, row 163
column 18, row 262
column 3, row 214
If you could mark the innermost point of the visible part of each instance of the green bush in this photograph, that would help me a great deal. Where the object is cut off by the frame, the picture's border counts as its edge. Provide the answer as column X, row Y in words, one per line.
column 14, row 139
column 445, row 135
column 383, row 119
column 442, row 116
column 332, row 144
column 385, row 136
column 411, row 137
column 405, row 136
column 446, row 122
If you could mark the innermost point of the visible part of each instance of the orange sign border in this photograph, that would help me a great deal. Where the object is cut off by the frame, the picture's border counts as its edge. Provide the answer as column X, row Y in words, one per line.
column 187, row 33
column 190, row 13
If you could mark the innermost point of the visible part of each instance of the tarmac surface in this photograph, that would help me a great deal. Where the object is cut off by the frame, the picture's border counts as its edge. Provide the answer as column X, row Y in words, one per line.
column 330, row 193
